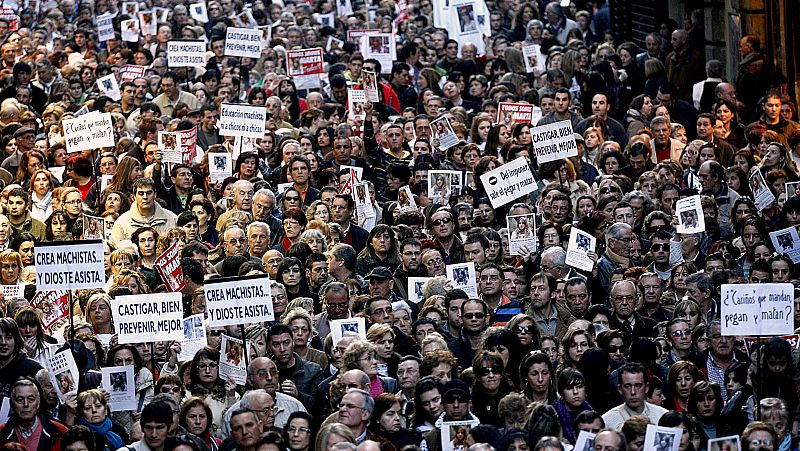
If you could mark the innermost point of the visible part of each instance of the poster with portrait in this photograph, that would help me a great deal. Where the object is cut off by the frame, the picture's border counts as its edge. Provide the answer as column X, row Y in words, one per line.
column 333, row 44
column 364, row 207
column 455, row 434
column 170, row 145
column 415, row 289
column 148, row 22
column 220, row 166
column 162, row 13
column 443, row 186
column 356, row 99
column 53, row 305
column 534, row 60
column 585, row 441
column 792, row 189
column 93, row 227
column 659, row 438
column 690, row 215
column 326, row 20
column 130, row 30
column 463, row 276
column 467, row 23
column 109, row 87
column 63, row 373
column 348, row 327
column 199, row 12
column 405, row 199
column 729, row 443
column 581, row 244
column 380, row 46
column 787, row 241
column 442, row 133
column 344, row 7
column 304, row 66
column 245, row 19
column 232, row 360
column 119, row 382
column 370, row 85
column 521, row 233
column 194, row 337
column 130, row 8
column 761, row 192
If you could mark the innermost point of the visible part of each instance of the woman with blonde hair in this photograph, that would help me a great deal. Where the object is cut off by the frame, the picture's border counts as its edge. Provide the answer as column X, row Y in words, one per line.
column 363, row 355
column 41, row 189
column 302, row 327
column 332, row 434
column 383, row 336
column 593, row 139
column 10, row 267
column 98, row 313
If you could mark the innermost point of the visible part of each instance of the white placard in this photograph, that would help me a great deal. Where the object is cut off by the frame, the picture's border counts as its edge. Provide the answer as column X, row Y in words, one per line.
column 356, row 98
column 220, row 166
column 90, row 131
column 70, row 265
column 405, row 199
column 186, row 54
column 63, row 373
column 729, row 443
column 148, row 22
column 660, row 438
column 232, row 360
column 93, row 227
column 130, row 30
column 105, row 27
column 370, row 85
column 382, row 47
column 463, row 277
column 690, row 215
column 455, row 433
column 764, row 309
column 443, row 133
column 199, row 12
column 444, row 186
column 534, row 60
column 357, row 169
column 244, row 120
column 194, row 337
column 108, row 86
column 521, row 233
column 415, row 289
column 364, row 208
column 580, row 244
column 761, row 192
column 243, row 42
column 585, row 441
column 12, row 291
column 239, row 300
column 509, row 182
column 554, row 141
column 119, row 382
column 787, row 241
column 170, row 145
column 350, row 326
column 5, row 409
column 146, row 318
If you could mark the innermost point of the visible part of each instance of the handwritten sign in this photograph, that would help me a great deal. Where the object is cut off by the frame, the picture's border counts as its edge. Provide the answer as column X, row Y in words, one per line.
column 509, row 182
column 90, row 131
column 186, row 54
column 757, row 309
column 148, row 317
column 242, row 120
column 74, row 265
column 554, row 141
column 243, row 42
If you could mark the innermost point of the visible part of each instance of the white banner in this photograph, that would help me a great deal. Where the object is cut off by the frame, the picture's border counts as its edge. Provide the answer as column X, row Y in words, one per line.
column 239, row 300
column 243, row 42
column 146, row 318
column 90, row 131
column 554, row 141
column 242, row 120
column 757, row 309
column 509, row 182
column 186, row 54
column 70, row 265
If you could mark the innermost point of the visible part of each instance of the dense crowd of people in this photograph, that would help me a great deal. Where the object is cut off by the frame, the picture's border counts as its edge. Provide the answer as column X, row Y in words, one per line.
column 544, row 351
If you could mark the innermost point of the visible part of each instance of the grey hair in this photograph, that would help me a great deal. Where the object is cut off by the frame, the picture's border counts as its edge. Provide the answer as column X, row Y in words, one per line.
column 623, row 444
column 368, row 404
column 401, row 305
column 711, row 325
column 241, row 184
column 25, row 383
column 344, row 446
column 265, row 192
column 714, row 69
column 557, row 254
column 275, row 284
column 615, row 231
column 255, row 224
column 659, row 120
column 703, row 281
column 249, row 397
column 647, row 202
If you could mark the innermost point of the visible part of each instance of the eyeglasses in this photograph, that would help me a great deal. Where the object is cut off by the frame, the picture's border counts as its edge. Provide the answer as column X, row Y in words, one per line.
column 660, row 247
column 173, row 389
column 292, row 199
column 341, row 306
column 210, row 366
column 234, row 241
column 298, row 431
column 527, row 330
column 681, row 333
column 474, row 315
column 442, row 221
column 269, row 410
column 487, row 370
column 72, row 202
column 348, row 406
column 609, row 189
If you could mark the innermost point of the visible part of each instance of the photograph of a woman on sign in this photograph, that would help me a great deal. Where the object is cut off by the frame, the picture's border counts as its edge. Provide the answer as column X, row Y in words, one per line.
column 402, row 199
column 440, row 191
column 294, row 68
column 522, row 230
column 459, row 440
column 233, row 353
column 466, row 18
column 66, row 383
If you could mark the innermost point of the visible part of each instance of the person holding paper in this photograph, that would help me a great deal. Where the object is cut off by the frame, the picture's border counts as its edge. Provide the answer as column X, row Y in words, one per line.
column 14, row 363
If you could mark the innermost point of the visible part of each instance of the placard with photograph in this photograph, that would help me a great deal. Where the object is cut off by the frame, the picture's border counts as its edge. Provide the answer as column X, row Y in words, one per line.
column 456, row 433
column 787, row 241
column 443, row 186
column 659, row 438
column 690, row 215
column 585, row 441
column 729, row 443
column 370, row 86
column 355, row 326
column 578, row 249
column 443, row 133
column 364, row 207
column 194, row 337
column 463, row 276
column 356, row 99
column 220, row 166
column 405, row 199
column 232, row 360
column 415, row 289
column 761, row 193
column 93, row 227
column 521, row 233
column 119, row 382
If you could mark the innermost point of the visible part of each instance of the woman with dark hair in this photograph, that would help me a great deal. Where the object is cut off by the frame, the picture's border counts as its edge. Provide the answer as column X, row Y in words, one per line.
column 79, row 171
column 293, row 276
column 294, row 224
column 257, row 96
column 123, row 355
column 528, row 334
column 572, row 400
column 682, row 376
column 206, row 215
column 36, row 341
column 57, row 224
column 146, row 238
column 128, row 171
column 196, row 417
column 287, row 91
column 732, row 130
column 536, row 374
column 206, row 383
column 594, row 364
column 382, row 249
column 737, row 181
column 428, row 401
column 386, row 425
column 507, row 345
column 490, row 386
column 29, row 162
column 705, row 406
column 298, row 432
column 750, row 230
column 246, row 167
column 324, row 139
column 610, row 162
column 639, row 114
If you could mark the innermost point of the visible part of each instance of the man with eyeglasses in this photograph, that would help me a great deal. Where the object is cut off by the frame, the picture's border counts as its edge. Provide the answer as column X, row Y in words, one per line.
column 659, row 250
column 335, row 297
column 490, row 289
column 633, row 388
column 619, row 243
column 410, row 266
column 434, row 263
column 552, row 318
column 255, row 400
column 624, row 317
column 234, row 243
column 554, row 262
column 243, row 192
column 300, row 379
column 262, row 375
column 474, row 316
column 719, row 356
column 443, row 227
column 700, row 288
column 355, row 409
column 679, row 336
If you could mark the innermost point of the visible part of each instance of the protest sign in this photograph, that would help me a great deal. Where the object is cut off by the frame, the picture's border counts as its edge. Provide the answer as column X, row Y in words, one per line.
column 348, row 327
column 585, row 441
column 119, row 382
column 5, row 409
column 554, row 141
column 63, row 373
column 793, row 340
column 305, row 66
column 463, row 277
column 109, row 87
column 89, row 131
column 380, row 46
column 509, row 182
column 660, row 438
column 12, row 291
column 245, row 19
column 345, row 8
column 757, row 309
column 93, row 227
column 509, row 113
column 354, row 36
column 455, row 434
column 186, row 54
column 70, row 265
column 534, row 60
column 443, row 185
column 189, row 144
column 356, row 98
column 415, row 289
column 148, row 317
column 11, row 16
column 522, row 233
column 130, row 8
column 364, row 208
column 199, row 12
column 443, row 133
column 333, row 44
column 761, row 192
column 130, row 30
column 243, row 42
column 690, row 215
column 105, row 27
column 729, row 443
column 148, row 22
column 787, row 241
column 170, row 145
column 169, row 268
column 130, row 72
column 194, row 337
column 232, row 360
column 405, row 199
column 53, row 304
column 370, row 86
column 244, row 120
column 792, row 189
column 578, row 249
column 239, row 300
